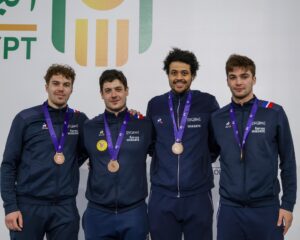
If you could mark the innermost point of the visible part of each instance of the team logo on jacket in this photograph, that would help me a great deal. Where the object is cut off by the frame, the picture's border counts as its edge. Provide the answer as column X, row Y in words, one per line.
column 73, row 129
column 258, row 127
column 101, row 133
column 194, row 122
column 159, row 121
column 45, row 126
column 101, row 145
column 228, row 125
column 133, row 136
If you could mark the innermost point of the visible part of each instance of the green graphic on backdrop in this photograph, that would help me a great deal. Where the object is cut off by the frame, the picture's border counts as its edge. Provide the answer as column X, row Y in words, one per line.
column 13, row 3
column 11, row 44
column 59, row 24
column 145, row 30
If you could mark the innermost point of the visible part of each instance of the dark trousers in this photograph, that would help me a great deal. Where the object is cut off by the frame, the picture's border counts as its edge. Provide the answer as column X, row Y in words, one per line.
column 248, row 223
column 57, row 222
column 171, row 217
column 128, row 225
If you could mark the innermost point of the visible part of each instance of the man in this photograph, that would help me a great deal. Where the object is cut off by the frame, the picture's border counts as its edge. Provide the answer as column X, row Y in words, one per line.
column 40, row 168
column 117, row 144
column 252, row 134
column 181, row 172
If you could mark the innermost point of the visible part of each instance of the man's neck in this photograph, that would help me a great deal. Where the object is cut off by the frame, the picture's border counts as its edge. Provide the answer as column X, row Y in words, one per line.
column 116, row 113
column 51, row 104
column 180, row 93
column 241, row 101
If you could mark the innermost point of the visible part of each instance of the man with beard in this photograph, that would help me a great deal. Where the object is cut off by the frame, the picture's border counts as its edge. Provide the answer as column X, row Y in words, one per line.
column 181, row 172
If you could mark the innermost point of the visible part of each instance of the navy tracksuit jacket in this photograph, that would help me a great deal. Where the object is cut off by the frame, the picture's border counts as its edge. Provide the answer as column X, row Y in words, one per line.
column 190, row 172
column 127, row 188
column 28, row 171
column 253, row 180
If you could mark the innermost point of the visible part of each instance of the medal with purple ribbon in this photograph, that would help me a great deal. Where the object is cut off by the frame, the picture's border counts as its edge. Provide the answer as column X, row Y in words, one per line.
column 59, row 157
column 177, row 147
column 248, row 126
column 113, row 165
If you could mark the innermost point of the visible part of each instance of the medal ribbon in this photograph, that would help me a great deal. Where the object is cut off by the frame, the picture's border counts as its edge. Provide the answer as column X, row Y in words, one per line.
column 114, row 150
column 248, row 126
column 58, row 145
column 178, row 132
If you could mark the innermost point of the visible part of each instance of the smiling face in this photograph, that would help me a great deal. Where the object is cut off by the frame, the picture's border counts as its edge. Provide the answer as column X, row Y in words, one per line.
column 180, row 77
column 114, row 95
column 241, row 81
column 59, row 89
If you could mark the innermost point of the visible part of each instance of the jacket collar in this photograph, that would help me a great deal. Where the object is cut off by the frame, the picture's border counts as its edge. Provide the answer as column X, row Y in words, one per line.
column 246, row 104
column 177, row 96
column 110, row 115
column 52, row 109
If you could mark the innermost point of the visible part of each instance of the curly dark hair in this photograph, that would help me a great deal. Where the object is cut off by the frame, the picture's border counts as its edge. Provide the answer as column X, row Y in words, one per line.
column 240, row 61
column 111, row 75
column 179, row 55
column 59, row 69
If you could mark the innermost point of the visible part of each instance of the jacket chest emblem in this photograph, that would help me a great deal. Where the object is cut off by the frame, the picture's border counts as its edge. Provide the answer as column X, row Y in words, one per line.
column 132, row 136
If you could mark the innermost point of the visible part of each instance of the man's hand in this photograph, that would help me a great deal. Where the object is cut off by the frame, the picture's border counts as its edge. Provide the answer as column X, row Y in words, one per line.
column 14, row 221
column 285, row 218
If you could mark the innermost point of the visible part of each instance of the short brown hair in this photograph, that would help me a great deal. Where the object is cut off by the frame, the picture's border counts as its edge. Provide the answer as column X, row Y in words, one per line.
column 240, row 61
column 111, row 75
column 59, row 69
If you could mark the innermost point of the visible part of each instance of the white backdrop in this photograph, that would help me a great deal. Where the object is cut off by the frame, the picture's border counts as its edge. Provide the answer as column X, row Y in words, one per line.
column 267, row 31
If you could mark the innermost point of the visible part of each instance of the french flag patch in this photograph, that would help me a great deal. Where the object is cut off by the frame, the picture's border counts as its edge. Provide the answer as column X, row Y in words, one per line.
column 267, row 104
column 139, row 116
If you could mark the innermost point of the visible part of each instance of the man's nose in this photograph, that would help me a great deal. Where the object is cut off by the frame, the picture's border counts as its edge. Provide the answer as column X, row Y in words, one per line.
column 179, row 76
column 238, row 80
column 60, row 87
column 113, row 93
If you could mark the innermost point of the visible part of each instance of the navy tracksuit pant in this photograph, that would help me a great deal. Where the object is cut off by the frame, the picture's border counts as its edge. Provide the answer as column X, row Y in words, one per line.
column 170, row 217
column 244, row 223
column 127, row 225
column 57, row 222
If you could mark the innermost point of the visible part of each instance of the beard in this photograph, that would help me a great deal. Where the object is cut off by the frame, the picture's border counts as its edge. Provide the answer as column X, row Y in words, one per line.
column 186, row 86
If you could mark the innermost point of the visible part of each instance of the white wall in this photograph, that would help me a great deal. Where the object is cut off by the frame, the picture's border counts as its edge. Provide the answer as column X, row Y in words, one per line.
column 268, row 31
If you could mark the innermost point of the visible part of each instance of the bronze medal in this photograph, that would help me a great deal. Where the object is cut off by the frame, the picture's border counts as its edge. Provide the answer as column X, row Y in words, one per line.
column 113, row 166
column 177, row 148
column 59, row 158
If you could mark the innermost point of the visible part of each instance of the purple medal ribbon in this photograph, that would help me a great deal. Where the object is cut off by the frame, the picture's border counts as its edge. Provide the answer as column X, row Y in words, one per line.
column 58, row 145
column 248, row 126
column 114, row 150
column 178, row 132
